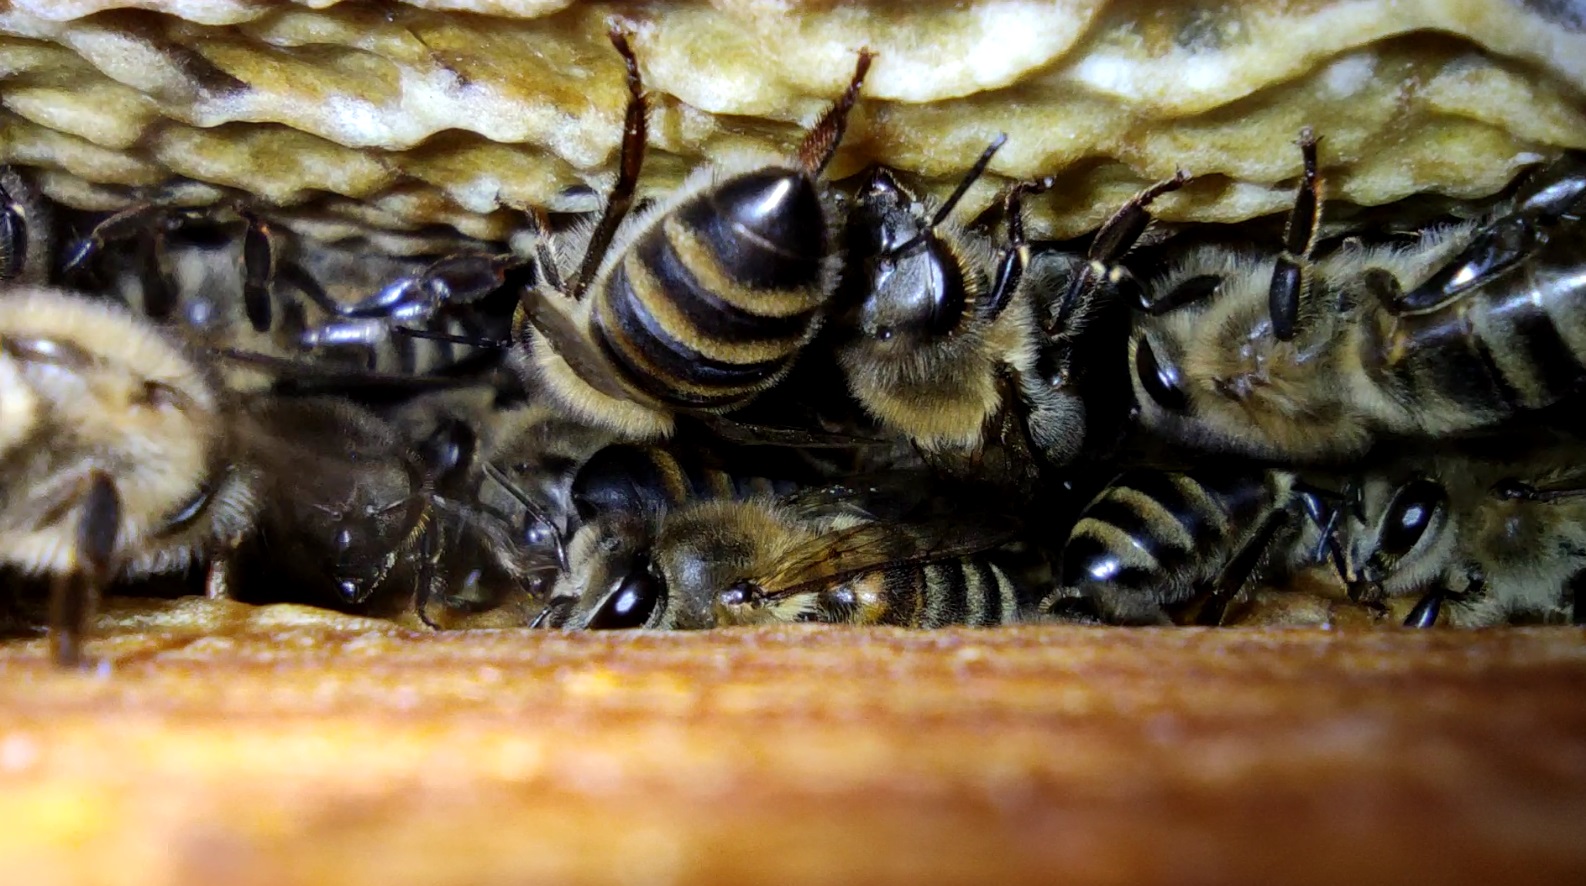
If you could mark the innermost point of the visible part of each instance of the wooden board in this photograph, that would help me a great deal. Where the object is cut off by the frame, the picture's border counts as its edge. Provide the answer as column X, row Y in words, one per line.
column 280, row 746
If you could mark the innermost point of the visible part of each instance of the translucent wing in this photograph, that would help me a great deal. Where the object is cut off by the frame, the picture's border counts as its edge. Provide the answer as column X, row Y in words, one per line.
column 833, row 557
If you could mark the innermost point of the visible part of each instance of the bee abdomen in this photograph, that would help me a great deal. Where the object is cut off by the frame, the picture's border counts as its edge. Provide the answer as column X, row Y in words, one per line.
column 1150, row 530
column 711, row 305
column 962, row 591
column 1518, row 342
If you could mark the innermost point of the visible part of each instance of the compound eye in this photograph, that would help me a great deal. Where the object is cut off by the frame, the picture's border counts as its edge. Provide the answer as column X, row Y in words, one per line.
column 1160, row 382
column 633, row 602
column 1409, row 515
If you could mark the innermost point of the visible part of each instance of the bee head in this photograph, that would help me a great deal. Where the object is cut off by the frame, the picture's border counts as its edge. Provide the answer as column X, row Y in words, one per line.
column 905, row 277
column 1400, row 538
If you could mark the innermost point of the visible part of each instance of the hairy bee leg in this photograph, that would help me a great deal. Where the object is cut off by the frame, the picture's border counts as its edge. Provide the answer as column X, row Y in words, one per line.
column 1113, row 240
column 820, row 144
column 630, row 162
column 545, row 270
column 119, row 226
column 258, row 270
column 1241, row 567
column 74, row 596
column 1290, row 279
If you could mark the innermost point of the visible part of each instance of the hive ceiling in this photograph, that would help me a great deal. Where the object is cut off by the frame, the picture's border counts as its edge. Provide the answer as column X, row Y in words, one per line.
column 455, row 112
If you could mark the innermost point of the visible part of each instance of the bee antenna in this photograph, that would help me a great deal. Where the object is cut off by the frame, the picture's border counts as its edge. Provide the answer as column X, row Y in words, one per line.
column 469, row 340
column 947, row 207
column 535, row 511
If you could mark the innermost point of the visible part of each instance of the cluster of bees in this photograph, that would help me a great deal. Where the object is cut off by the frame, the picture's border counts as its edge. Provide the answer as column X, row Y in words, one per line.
column 771, row 397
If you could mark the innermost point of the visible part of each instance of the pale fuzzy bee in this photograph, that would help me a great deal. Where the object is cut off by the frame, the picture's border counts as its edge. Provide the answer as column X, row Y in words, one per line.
column 1475, row 539
column 699, row 303
column 113, row 461
column 760, row 561
column 1468, row 324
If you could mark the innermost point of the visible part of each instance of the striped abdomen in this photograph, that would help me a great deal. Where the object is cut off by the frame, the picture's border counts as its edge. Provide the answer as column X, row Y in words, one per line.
column 1515, row 342
column 627, row 477
column 961, row 591
column 710, row 305
column 1157, row 534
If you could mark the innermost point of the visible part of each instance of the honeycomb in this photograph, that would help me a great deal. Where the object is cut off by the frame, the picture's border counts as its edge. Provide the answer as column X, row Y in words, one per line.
column 342, row 118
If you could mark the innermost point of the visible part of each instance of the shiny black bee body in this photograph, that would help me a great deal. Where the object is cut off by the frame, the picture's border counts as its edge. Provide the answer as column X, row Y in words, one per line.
column 939, row 341
column 699, row 303
column 1154, row 541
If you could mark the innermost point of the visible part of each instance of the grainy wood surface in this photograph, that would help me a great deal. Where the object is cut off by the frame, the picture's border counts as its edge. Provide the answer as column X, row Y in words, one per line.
column 280, row 746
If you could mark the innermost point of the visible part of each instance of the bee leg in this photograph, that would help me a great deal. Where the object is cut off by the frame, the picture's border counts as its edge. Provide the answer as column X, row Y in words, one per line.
column 1576, row 598
column 545, row 270
column 1016, row 255
column 298, row 277
column 159, row 291
column 1245, row 564
column 1290, row 280
column 429, row 554
column 217, row 575
column 1113, row 240
column 75, row 594
column 1325, row 509
column 1427, row 609
column 820, row 143
column 119, row 226
column 1511, row 489
column 13, row 232
column 630, row 162
column 258, row 271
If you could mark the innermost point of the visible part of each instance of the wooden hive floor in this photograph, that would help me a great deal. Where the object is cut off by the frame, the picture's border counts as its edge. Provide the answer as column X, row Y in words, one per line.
column 283, row 746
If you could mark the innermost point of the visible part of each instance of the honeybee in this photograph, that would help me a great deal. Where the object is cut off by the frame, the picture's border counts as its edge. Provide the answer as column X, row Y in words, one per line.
column 1466, row 325
column 760, row 560
column 113, row 442
column 940, row 344
column 1474, row 539
column 25, row 230
column 700, row 302
column 352, row 505
column 1154, row 543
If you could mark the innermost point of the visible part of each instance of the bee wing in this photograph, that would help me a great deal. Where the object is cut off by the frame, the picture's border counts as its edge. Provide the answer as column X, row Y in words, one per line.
column 833, row 557
column 901, row 496
column 570, row 343
column 747, row 434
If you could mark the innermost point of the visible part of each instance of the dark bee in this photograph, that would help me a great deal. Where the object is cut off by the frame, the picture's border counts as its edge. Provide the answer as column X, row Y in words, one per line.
column 698, row 304
column 354, row 513
column 941, row 343
column 1155, row 541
